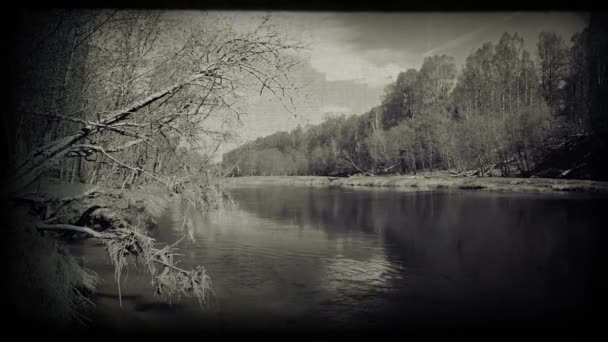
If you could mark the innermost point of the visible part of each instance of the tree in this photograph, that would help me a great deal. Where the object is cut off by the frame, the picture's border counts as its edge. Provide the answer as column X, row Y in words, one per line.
column 553, row 55
column 507, row 54
column 134, row 108
column 491, row 117
column 378, row 148
column 436, row 79
column 578, row 82
column 597, row 47
column 175, row 107
column 401, row 99
column 403, row 137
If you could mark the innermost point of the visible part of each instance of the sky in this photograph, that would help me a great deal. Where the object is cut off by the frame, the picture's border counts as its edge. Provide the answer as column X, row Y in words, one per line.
column 351, row 57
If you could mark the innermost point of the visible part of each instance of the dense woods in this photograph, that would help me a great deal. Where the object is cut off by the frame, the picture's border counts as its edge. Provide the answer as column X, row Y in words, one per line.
column 506, row 112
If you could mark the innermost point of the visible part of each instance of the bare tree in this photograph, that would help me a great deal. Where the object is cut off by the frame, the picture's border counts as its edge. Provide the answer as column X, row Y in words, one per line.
column 147, row 92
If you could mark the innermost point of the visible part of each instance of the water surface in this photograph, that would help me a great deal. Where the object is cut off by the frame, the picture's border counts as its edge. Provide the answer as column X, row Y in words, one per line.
column 336, row 258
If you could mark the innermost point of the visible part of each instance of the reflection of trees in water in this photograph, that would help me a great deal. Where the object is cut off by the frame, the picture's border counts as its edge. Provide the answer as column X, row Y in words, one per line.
column 464, row 243
column 489, row 246
column 364, row 246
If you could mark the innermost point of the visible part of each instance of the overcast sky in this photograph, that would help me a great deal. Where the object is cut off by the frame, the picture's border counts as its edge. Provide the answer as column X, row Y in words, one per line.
column 351, row 57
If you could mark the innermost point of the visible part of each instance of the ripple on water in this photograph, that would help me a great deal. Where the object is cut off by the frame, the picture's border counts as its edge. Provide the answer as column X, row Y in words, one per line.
column 291, row 253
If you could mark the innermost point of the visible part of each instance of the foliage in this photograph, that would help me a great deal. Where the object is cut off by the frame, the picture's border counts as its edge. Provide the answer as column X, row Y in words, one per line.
column 496, row 116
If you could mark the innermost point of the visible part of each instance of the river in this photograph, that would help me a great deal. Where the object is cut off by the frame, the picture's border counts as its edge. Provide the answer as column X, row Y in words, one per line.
column 331, row 258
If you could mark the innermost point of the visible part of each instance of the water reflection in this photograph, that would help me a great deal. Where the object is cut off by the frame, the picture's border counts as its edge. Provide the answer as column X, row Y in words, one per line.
column 359, row 257
column 259, row 263
column 486, row 252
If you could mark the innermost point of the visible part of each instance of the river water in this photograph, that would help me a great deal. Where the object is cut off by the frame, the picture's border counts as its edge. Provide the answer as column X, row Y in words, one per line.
column 348, row 259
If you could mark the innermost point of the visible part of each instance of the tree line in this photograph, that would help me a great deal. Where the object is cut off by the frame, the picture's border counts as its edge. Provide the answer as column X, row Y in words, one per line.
column 506, row 113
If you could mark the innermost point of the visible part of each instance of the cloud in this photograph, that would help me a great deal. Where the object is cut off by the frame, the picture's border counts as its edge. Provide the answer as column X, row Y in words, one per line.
column 334, row 54
column 458, row 41
column 339, row 63
column 467, row 37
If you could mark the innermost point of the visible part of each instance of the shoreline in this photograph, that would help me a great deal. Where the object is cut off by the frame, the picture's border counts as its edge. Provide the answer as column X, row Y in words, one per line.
column 429, row 183
column 147, row 202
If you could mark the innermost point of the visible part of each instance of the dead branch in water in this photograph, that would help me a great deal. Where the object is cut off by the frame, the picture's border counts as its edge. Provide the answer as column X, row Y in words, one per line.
column 69, row 228
column 168, row 280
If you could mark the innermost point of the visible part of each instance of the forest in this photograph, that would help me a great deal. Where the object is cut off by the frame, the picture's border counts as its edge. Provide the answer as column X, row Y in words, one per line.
column 506, row 112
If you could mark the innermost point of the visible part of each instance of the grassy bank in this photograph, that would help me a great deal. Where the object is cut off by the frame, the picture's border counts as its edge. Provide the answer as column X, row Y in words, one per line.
column 430, row 182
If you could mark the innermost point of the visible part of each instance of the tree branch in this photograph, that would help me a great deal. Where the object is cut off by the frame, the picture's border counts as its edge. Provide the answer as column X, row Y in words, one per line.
column 70, row 228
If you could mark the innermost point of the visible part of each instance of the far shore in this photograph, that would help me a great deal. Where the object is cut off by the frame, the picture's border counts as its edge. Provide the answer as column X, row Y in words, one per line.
column 429, row 182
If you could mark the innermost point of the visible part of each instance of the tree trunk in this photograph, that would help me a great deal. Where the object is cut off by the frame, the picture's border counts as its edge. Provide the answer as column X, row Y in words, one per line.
column 30, row 170
column 74, row 167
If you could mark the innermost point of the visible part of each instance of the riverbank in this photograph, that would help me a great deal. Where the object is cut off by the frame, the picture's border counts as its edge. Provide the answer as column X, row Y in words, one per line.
column 147, row 202
column 48, row 269
column 429, row 182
